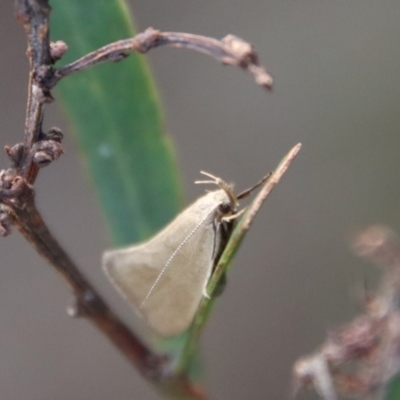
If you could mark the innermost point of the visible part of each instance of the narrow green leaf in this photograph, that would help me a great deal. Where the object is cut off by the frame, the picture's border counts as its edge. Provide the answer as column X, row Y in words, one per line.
column 393, row 389
column 188, row 352
column 115, row 112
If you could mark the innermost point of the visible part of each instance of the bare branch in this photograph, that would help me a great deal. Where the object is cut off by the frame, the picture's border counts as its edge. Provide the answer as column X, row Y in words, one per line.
column 18, row 207
column 39, row 148
column 89, row 304
column 230, row 50
column 34, row 15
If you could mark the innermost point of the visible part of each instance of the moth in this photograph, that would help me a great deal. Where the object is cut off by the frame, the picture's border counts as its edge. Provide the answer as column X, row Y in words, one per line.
column 165, row 278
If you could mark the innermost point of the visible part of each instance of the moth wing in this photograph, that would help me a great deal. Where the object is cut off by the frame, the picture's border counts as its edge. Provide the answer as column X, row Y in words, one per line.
column 171, row 306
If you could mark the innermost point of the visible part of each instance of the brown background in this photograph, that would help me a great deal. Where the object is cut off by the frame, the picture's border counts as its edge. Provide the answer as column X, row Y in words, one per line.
column 336, row 70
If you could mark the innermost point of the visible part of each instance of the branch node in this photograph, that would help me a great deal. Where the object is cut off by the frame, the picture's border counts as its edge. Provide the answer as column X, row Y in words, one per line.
column 90, row 300
column 146, row 40
column 41, row 94
column 12, row 186
column 245, row 57
column 74, row 310
column 6, row 179
column 243, row 51
column 86, row 304
column 15, row 153
column 5, row 224
column 155, row 366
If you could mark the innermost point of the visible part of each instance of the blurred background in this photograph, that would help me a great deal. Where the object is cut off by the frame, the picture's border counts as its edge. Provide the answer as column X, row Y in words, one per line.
column 336, row 70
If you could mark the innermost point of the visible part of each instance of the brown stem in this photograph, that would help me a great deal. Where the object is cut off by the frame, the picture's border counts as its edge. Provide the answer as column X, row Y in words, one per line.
column 18, row 207
column 34, row 15
column 39, row 149
column 89, row 303
column 230, row 50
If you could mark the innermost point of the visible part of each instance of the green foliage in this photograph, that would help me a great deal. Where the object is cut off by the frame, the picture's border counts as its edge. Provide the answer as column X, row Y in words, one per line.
column 115, row 112
column 393, row 389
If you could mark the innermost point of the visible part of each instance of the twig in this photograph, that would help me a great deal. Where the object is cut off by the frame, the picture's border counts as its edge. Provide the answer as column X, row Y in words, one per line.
column 17, row 197
column 223, row 264
column 34, row 15
column 89, row 304
column 230, row 50
column 18, row 208
column 370, row 342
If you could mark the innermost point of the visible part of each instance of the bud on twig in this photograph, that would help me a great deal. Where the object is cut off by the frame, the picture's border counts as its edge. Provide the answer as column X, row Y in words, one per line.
column 46, row 151
column 52, row 134
column 57, row 50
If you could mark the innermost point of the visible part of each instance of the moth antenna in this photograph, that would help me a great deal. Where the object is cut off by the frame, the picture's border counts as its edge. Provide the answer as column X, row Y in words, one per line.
column 173, row 256
column 223, row 185
column 215, row 178
column 258, row 184
column 204, row 182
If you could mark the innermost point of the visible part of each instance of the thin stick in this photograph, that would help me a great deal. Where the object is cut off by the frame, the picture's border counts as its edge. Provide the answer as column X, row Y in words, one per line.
column 248, row 217
column 18, row 207
column 230, row 50
column 34, row 15
column 17, row 204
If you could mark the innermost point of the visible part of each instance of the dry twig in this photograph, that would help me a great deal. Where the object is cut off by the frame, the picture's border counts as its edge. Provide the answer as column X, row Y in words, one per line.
column 39, row 149
column 371, row 342
column 17, row 195
column 230, row 50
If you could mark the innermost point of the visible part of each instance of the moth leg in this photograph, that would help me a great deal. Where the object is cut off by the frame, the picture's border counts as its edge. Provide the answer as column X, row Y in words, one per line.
column 233, row 216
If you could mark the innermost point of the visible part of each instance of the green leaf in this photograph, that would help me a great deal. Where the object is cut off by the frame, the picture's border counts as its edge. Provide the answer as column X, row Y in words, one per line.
column 187, row 354
column 393, row 389
column 115, row 112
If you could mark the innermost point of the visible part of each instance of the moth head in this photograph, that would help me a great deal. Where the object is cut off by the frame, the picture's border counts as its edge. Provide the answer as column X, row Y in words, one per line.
column 226, row 197
column 225, row 208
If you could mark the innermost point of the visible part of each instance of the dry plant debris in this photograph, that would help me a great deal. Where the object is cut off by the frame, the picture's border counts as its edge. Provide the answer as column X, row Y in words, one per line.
column 370, row 344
